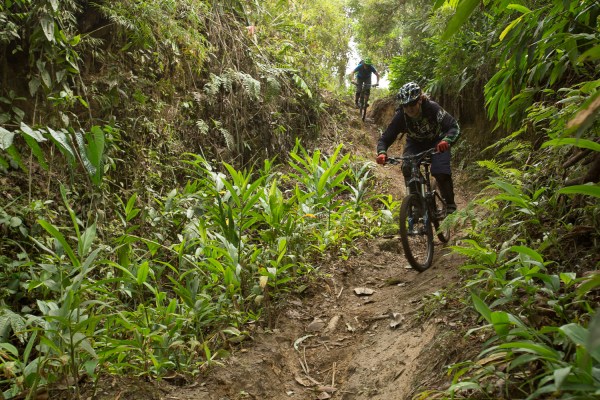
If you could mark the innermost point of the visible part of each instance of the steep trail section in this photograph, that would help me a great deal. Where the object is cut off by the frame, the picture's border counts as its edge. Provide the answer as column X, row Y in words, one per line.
column 332, row 342
column 361, row 331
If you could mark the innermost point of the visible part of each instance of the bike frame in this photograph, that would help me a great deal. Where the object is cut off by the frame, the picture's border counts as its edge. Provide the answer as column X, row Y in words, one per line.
column 420, row 176
column 422, row 209
column 420, row 182
column 363, row 98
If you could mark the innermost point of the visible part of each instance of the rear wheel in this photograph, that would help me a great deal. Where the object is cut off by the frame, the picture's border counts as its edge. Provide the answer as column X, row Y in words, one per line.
column 416, row 233
column 441, row 211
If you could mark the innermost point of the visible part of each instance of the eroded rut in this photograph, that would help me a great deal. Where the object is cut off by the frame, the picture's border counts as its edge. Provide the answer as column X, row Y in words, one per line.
column 333, row 343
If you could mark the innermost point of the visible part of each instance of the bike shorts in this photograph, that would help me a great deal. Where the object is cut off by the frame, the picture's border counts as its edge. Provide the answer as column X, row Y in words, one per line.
column 440, row 162
column 361, row 86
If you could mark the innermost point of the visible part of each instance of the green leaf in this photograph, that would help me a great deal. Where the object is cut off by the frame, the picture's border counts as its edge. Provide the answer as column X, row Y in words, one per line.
column 581, row 143
column 302, row 85
column 593, row 343
column 131, row 212
column 48, row 28
column 46, row 78
column 530, row 253
column 465, row 385
column 501, row 322
column 82, row 342
column 35, row 134
column 518, row 7
column 438, row 4
column 87, row 239
column 37, row 151
column 463, row 11
column 510, row 27
column 6, row 138
column 560, row 375
column 592, row 54
column 61, row 239
column 16, row 157
column 34, row 85
column 83, row 150
column 142, row 273
column 507, row 187
column 95, row 152
column 75, row 40
column 589, row 190
column 96, row 145
column 534, row 348
column 29, row 347
column 581, row 337
column 10, row 348
column 481, row 307
column 588, row 284
column 62, row 142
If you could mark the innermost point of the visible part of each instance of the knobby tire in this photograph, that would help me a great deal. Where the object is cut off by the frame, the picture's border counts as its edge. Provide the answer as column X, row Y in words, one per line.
column 418, row 242
column 363, row 107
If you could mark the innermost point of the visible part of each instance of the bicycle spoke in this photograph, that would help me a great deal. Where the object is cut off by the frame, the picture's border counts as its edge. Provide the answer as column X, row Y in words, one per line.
column 416, row 233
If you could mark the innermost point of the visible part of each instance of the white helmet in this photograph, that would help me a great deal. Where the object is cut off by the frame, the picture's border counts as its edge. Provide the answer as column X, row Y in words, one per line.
column 409, row 92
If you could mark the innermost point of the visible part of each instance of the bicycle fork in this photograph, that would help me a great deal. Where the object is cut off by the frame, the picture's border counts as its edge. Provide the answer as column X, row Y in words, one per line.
column 417, row 214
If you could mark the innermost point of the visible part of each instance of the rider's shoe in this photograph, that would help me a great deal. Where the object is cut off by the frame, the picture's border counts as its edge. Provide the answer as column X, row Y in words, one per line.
column 451, row 208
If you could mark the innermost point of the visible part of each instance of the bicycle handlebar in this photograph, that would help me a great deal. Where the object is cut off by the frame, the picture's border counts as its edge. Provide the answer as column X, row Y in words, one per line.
column 418, row 156
column 365, row 84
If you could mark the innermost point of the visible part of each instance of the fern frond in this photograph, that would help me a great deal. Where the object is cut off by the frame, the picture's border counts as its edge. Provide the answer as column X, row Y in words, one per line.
column 515, row 147
column 202, row 126
column 229, row 139
column 213, row 87
column 251, row 86
column 227, row 82
column 492, row 165
column 273, row 87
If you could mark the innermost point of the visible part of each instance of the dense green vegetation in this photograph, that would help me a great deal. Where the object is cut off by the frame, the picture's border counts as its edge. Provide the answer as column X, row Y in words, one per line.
column 533, row 274
column 160, row 192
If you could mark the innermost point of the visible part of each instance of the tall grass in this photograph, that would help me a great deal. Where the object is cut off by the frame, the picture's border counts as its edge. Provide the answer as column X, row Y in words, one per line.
column 178, row 280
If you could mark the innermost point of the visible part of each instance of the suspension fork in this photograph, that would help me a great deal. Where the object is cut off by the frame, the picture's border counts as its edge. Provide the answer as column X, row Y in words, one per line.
column 415, row 183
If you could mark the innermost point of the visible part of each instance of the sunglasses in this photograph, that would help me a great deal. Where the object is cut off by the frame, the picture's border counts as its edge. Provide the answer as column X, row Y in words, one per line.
column 411, row 104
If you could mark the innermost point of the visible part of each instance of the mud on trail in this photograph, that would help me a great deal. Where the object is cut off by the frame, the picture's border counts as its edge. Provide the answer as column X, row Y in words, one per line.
column 363, row 329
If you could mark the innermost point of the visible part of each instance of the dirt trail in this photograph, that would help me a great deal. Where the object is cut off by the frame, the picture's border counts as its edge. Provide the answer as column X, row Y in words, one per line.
column 330, row 342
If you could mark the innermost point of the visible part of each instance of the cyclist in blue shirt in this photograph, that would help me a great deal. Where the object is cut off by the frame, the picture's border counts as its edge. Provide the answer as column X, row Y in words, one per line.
column 363, row 73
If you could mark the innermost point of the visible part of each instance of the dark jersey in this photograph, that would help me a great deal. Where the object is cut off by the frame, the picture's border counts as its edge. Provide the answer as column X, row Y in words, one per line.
column 433, row 125
column 363, row 72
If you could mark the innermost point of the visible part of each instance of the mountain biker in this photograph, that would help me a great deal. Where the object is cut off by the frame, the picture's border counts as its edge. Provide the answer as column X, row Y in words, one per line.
column 426, row 125
column 363, row 73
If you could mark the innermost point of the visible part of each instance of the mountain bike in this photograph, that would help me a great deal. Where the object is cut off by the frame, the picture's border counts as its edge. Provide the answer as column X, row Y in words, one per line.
column 422, row 210
column 363, row 99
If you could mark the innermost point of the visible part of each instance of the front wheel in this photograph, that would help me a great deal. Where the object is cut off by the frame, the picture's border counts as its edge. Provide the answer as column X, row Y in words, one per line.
column 363, row 110
column 416, row 232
